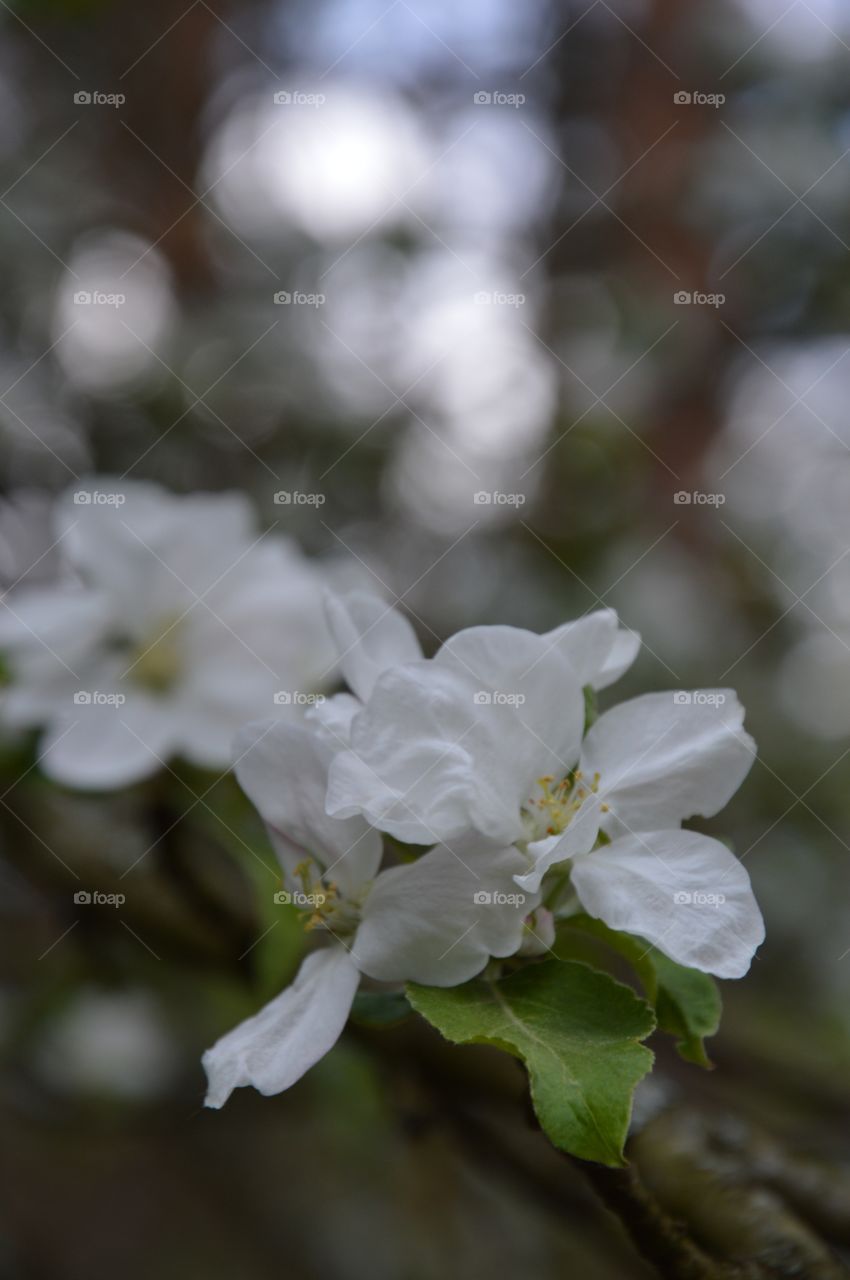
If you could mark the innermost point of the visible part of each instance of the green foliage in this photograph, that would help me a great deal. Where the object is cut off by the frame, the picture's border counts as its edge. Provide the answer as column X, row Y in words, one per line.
column 687, row 1002
column 380, row 1008
column 591, row 706
column 576, row 1030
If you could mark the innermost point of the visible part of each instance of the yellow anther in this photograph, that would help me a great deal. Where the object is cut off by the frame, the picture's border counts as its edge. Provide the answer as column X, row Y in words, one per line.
column 559, row 803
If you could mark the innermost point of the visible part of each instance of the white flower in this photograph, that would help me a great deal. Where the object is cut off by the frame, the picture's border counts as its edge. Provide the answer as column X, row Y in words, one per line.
column 459, row 741
column 646, row 765
column 172, row 625
column 437, row 920
column 370, row 637
column 488, row 736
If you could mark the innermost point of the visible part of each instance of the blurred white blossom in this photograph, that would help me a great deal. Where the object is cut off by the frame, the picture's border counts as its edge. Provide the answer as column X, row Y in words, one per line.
column 170, row 624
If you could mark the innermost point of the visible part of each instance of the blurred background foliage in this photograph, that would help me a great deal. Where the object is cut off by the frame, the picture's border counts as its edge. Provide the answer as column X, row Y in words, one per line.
column 493, row 309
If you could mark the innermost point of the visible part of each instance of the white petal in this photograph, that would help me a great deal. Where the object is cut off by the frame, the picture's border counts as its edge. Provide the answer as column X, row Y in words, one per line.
column 459, row 742
column 598, row 650
column 155, row 551
column 525, row 674
column 429, row 922
column 662, row 760
column 103, row 747
column 273, row 602
column 412, row 768
column 53, row 623
column 332, row 718
column 682, row 891
column 579, row 837
column 371, row 637
column 285, row 1039
column 535, row 711
column 283, row 768
column 624, row 651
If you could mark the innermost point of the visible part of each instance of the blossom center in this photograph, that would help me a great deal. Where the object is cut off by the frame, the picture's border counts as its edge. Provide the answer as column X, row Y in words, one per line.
column 321, row 904
column 158, row 661
column 551, row 810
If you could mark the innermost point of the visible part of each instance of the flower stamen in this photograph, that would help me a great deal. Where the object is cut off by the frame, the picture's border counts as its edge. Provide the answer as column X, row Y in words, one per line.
column 552, row 810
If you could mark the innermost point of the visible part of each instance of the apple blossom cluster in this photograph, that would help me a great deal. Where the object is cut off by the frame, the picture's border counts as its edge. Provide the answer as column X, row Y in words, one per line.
column 170, row 624
column 530, row 809
column 442, row 817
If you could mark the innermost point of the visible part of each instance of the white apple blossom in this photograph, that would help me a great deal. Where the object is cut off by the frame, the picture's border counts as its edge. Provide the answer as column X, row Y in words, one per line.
column 170, row 625
column 459, row 741
column 489, row 736
column 370, row 636
column 437, row 920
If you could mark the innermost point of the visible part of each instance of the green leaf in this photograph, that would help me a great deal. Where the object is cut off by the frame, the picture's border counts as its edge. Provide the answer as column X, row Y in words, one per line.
column 576, row 1030
column 687, row 1005
column 380, row 1008
column 591, row 706
column 687, row 1002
